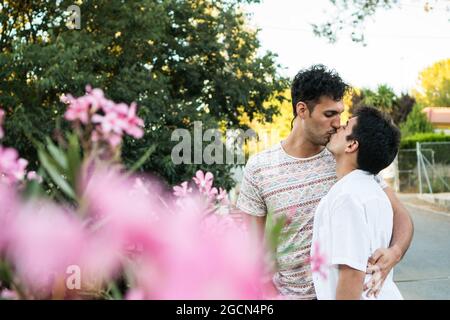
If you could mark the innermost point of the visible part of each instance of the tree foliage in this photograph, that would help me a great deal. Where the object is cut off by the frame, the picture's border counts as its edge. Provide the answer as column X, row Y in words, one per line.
column 351, row 15
column 385, row 99
column 416, row 122
column 434, row 85
column 270, row 133
column 181, row 61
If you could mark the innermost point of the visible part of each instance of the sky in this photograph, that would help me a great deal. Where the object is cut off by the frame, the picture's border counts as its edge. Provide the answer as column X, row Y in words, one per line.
column 400, row 42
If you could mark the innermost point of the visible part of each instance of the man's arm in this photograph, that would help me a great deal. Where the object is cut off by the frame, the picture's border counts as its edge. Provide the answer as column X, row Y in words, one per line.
column 350, row 283
column 256, row 224
column 383, row 260
column 403, row 229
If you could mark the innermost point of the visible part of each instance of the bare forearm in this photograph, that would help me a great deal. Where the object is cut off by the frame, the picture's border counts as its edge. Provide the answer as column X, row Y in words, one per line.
column 350, row 284
column 256, row 224
column 403, row 228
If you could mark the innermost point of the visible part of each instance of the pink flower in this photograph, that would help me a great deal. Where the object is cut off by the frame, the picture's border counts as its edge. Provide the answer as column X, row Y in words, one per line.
column 204, row 182
column 115, row 119
column 2, row 116
column 32, row 175
column 12, row 168
column 134, row 123
column 114, row 139
column 8, row 212
column 120, row 118
column 212, row 193
column 135, row 294
column 96, row 98
column 222, row 196
column 78, row 108
column 8, row 294
column 318, row 260
column 110, row 122
column 128, row 213
column 183, row 190
column 44, row 242
column 201, row 258
column 111, row 138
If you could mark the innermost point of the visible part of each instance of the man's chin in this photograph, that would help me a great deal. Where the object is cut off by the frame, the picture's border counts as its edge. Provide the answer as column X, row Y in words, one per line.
column 326, row 142
column 329, row 148
column 323, row 142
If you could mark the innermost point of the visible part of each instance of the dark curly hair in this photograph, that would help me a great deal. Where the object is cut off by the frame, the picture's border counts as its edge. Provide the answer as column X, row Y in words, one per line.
column 378, row 139
column 311, row 84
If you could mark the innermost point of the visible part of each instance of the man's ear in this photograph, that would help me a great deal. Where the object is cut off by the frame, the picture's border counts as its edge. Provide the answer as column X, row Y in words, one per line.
column 353, row 146
column 302, row 109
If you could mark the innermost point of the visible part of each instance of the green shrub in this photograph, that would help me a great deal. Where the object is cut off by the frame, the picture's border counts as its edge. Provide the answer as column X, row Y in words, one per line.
column 416, row 122
column 409, row 142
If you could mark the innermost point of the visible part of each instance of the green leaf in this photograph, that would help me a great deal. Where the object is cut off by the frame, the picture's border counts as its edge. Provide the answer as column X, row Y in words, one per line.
column 6, row 275
column 54, row 173
column 114, row 291
column 33, row 188
column 73, row 158
column 274, row 232
column 143, row 158
column 58, row 155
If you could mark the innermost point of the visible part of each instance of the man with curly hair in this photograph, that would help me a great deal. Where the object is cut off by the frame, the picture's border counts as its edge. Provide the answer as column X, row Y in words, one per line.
column 290, row 178
column 355, row 217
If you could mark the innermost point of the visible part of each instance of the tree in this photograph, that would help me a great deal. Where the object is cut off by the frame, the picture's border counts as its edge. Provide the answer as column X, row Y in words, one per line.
column 434, row 90
column 351, row 15
column 385, row 99
column 416, row 122
column 382, row 99
column 403, row 105
column 181, row 61
column 270, row 133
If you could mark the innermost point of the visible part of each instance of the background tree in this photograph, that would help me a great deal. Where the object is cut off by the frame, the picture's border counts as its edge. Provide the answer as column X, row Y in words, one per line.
column 385, row 99
column 181, row 61
column 416, row 122
column 434, row 85
column 351, row 15
column 403, row 105
column 269, row 133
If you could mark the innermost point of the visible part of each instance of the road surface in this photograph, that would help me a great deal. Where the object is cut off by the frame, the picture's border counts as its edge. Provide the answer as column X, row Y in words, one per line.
column 424, row 272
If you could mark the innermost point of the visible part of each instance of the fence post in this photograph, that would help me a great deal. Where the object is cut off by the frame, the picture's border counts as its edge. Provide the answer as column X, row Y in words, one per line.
column 418, row 166
column 397, row 176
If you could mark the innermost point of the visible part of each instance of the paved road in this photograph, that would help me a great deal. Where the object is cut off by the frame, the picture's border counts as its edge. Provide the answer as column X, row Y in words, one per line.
column 424, row 273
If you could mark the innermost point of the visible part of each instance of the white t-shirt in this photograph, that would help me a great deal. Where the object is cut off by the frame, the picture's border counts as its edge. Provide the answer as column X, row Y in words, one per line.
column 353, row 220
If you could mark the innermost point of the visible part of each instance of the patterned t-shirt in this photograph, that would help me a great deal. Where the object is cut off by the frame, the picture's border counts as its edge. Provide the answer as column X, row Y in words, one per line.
column 293, row 187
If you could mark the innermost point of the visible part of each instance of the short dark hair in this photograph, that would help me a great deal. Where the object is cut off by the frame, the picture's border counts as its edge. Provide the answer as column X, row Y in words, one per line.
column 378, row 139
column 311, row 84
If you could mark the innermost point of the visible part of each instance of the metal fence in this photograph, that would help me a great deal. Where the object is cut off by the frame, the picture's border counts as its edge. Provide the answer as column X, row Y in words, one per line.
column 425, row 169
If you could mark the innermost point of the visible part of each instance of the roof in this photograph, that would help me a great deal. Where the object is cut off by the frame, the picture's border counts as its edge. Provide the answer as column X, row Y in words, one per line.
column 437, row 115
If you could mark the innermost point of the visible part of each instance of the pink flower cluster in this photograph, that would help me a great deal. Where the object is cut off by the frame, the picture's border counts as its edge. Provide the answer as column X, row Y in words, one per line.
column 132, row 226
column 204, row 183
column 112, row 120
column 318, row 261
column 12, row 168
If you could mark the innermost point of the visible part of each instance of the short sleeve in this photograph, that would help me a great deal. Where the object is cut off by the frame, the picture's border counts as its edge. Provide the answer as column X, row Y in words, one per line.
column 350, row 240
column 250, row 200
column 381, row 181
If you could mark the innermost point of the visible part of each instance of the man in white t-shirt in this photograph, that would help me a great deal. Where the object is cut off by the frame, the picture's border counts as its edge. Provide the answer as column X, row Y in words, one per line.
column 289, row 180
column 355, row 218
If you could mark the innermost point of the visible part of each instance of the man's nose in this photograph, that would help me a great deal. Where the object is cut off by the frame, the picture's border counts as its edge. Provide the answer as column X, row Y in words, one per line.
column 336, row 124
